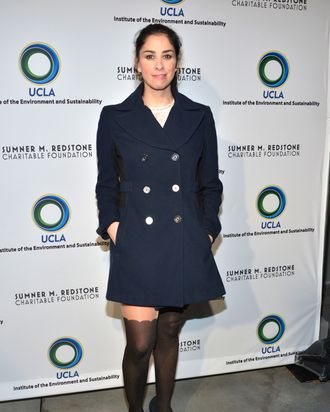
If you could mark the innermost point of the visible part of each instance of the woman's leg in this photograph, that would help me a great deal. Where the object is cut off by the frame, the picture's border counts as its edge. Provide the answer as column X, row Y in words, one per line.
column 140, row 325
column 169, row 324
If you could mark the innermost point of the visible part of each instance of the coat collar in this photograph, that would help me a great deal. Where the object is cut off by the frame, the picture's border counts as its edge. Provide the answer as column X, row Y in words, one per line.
column 139, row 122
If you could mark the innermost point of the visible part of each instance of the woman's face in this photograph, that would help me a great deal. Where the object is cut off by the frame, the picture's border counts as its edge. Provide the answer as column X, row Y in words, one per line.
column 157, row 62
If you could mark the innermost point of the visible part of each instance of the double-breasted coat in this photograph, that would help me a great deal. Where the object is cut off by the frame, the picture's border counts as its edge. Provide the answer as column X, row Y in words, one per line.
column 162, row 185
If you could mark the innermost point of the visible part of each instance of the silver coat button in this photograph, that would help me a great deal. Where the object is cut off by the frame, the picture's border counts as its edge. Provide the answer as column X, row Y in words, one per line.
column 146, row 189
column 175, row 156
column 144, row 158
column 175, row 188
column 149, row 220
column 177, row 219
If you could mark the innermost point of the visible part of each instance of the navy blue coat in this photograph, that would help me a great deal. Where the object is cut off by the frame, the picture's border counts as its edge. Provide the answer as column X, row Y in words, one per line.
column 162, row 184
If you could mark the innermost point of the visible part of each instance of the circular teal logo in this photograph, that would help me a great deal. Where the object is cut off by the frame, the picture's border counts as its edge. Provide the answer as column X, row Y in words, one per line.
column 70, row 361
column 172, row 1
column 278, row 79
column 271, row 329
column 51, row 223
column 50, row 54
column 274, row 209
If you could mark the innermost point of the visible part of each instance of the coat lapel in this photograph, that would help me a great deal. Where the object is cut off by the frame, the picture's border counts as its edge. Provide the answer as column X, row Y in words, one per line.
column 137, row 120
column 183, row 120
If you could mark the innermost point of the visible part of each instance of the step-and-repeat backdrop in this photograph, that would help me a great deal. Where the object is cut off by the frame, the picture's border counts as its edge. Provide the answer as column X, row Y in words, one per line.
column 262, row 67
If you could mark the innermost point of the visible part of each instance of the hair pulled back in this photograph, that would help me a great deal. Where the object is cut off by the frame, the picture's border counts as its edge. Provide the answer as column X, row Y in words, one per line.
column 158, row 28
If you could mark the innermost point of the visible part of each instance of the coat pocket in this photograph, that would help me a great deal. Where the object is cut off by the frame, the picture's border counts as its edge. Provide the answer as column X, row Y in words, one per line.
column 207, row 236
column 199, row 217
column 125, row 188
column 118, row 233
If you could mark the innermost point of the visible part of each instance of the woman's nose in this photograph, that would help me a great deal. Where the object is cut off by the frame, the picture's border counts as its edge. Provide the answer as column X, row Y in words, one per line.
column 159, row 63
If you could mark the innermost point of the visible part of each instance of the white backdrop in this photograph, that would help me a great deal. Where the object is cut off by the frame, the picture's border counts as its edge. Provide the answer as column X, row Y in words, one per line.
column 60, row 64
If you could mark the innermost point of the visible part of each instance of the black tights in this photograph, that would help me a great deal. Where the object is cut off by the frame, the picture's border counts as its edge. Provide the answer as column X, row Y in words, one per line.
column 160, row 336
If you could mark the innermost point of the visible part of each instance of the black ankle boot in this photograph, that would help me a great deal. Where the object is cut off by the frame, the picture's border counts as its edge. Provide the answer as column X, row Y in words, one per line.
column 152, row 405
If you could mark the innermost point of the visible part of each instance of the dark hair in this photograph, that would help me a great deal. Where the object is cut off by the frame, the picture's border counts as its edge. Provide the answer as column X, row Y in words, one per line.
column 157, row 28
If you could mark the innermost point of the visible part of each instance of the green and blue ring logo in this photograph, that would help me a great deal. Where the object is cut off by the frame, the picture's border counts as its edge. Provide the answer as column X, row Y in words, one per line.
column 279, row 194
column 57, row 201
column 69, row 342
column 281, row 60
column 274, row 337
column 173, row 2
column 52, row 56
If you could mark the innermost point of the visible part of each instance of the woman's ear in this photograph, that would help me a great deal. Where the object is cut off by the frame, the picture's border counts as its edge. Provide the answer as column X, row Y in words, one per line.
column 137, row 66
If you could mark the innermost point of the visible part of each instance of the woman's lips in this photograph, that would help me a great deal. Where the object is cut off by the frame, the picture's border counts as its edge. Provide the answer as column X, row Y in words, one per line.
column 159, row 76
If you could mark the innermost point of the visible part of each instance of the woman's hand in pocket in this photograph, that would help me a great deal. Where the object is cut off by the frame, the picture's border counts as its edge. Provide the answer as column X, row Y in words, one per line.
column 112, row 231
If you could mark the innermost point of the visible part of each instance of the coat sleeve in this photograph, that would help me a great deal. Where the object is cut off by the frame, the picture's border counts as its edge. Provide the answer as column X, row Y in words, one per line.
column 210, row 185
column 107, row 180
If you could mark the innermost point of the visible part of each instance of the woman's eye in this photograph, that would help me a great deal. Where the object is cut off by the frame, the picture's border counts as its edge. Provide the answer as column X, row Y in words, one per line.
column 168, row 56
column 149, row 56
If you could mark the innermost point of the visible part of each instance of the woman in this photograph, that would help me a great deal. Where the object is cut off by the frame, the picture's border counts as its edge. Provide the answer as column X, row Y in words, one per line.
column 158, row 195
